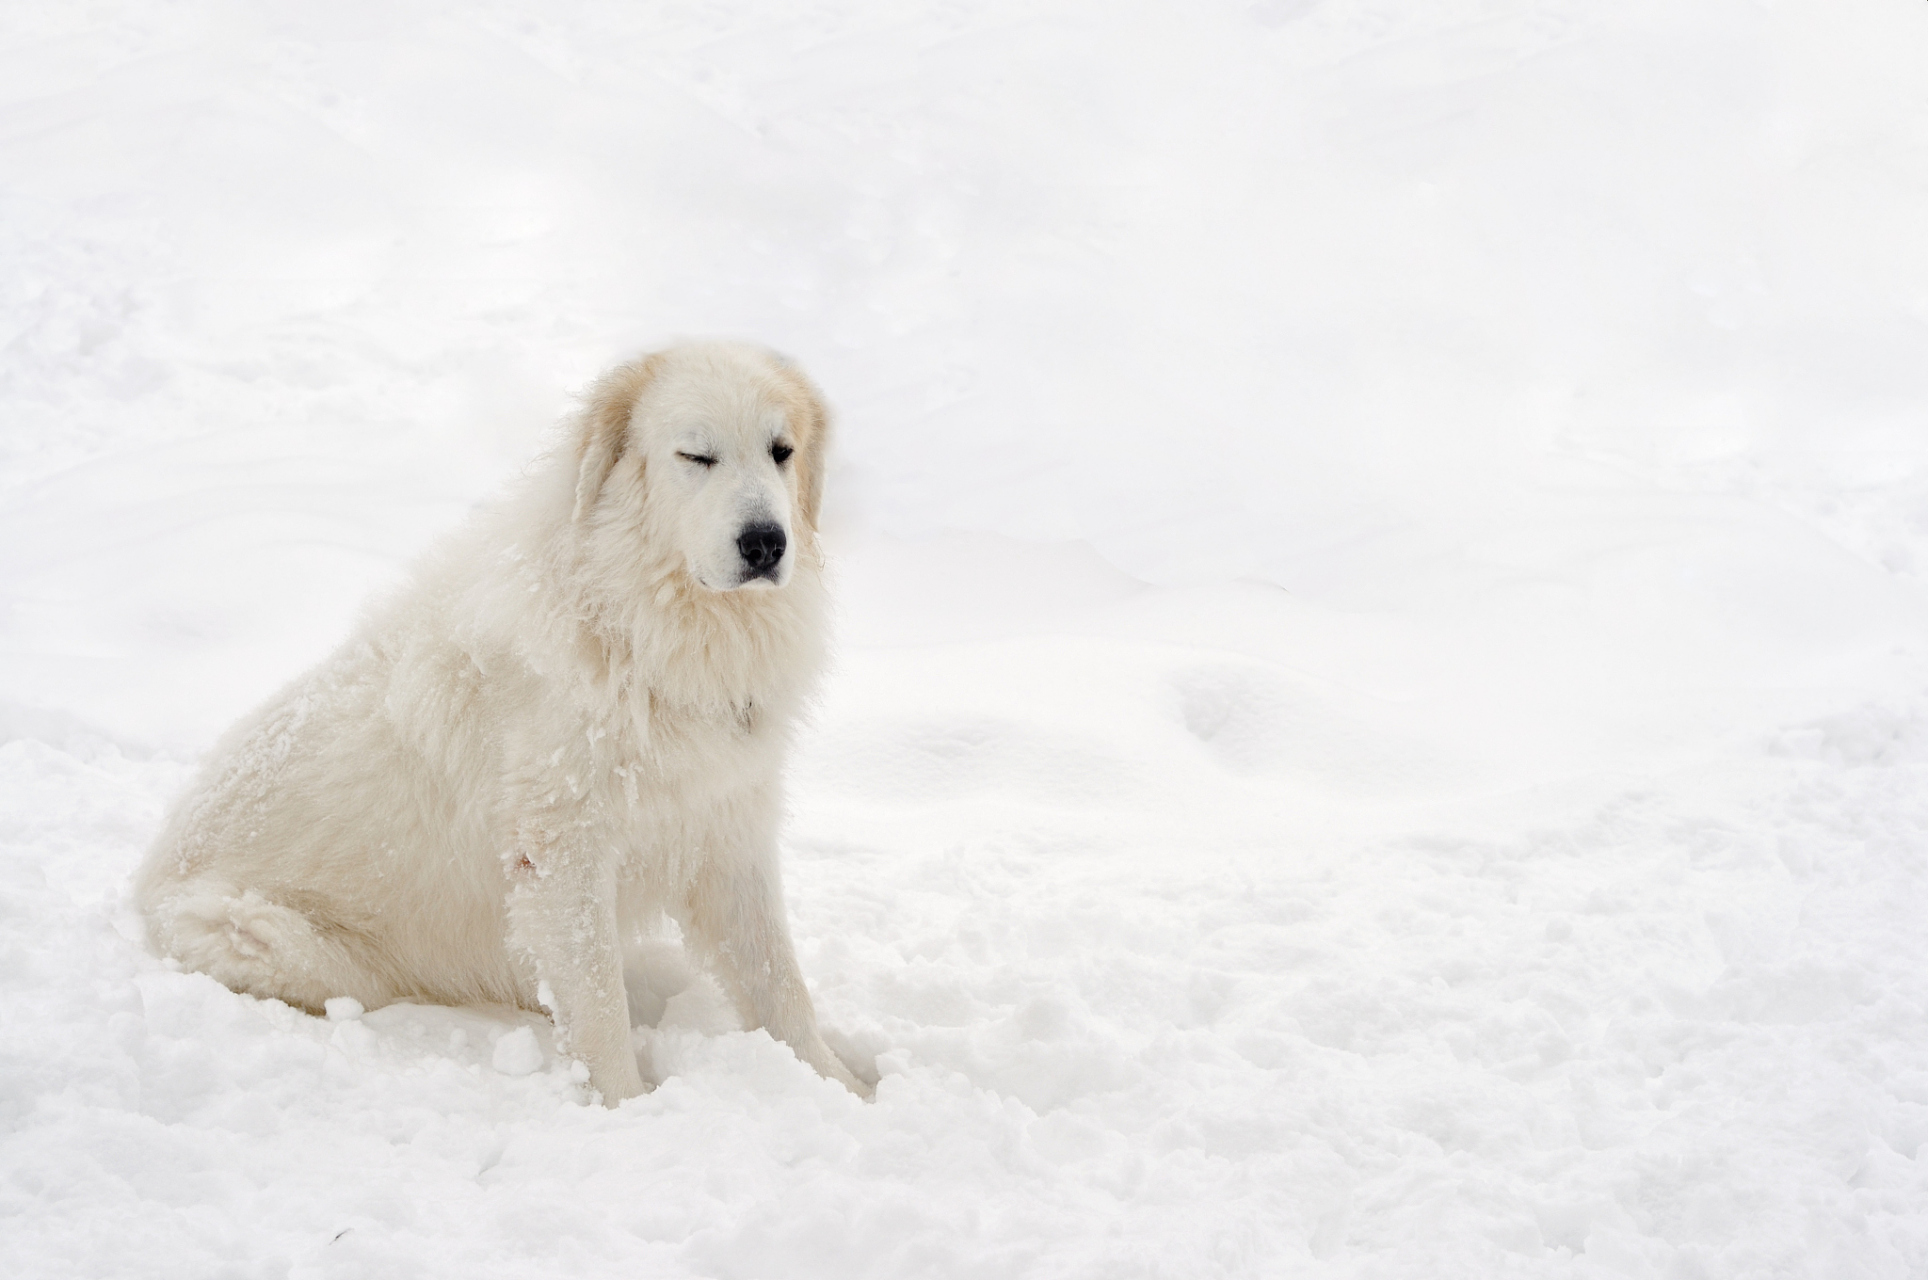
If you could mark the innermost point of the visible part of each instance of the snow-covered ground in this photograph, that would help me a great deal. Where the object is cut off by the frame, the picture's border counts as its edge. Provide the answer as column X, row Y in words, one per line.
column 1381, row 718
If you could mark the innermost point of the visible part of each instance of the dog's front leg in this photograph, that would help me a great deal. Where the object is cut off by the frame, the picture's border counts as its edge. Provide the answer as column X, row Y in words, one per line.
column 735, row 920
column 562, row 930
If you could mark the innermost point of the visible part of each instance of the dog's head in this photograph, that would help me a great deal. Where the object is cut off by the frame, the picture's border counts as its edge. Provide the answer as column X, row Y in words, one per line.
column 712, row 452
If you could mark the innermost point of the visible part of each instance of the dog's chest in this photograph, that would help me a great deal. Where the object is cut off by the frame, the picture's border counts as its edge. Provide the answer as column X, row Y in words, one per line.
column 677, row 759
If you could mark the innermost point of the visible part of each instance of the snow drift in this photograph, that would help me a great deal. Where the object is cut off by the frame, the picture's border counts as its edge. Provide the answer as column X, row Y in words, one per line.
column 1381, row 724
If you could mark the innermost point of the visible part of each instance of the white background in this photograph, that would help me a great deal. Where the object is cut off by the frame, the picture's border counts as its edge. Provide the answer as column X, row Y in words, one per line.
column 1379, row 725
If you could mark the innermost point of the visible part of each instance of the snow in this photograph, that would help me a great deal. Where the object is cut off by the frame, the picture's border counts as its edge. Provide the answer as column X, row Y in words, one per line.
column 342, row 1009
column 1381, row 715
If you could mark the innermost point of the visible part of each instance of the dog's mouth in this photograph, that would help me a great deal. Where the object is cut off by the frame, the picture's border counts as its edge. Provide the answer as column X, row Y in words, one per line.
column 767, row 579
column 759, row 558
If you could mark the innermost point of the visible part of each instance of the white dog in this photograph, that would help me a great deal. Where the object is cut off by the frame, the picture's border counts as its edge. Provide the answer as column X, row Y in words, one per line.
column 574, row 718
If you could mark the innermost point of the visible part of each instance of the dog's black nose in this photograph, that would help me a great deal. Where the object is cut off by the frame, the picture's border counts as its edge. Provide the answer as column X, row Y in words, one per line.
column 761, row 545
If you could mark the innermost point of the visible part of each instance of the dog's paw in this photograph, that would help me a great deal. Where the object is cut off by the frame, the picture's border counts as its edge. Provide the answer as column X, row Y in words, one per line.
column 854, row 1058
column 831, row 1067
column 616, row 1086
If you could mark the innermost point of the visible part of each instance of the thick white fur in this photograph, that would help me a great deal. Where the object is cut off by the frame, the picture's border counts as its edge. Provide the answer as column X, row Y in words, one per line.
column 572, row 720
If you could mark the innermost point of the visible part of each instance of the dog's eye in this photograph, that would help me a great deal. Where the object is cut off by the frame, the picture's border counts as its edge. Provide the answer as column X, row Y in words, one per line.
column 700, row 459
column 781, row 452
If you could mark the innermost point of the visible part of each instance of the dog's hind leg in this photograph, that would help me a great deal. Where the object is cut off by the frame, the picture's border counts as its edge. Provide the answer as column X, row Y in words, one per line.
column 255, row 945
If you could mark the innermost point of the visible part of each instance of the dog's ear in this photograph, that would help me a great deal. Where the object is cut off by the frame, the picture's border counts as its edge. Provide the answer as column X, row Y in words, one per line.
column 814, row 427
column 605, row 427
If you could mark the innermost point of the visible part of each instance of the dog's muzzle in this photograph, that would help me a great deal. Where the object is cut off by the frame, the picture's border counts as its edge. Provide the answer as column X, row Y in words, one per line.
column 761, row 545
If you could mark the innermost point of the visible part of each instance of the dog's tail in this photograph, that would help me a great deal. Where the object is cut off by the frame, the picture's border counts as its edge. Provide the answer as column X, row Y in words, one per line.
column 254, row 945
